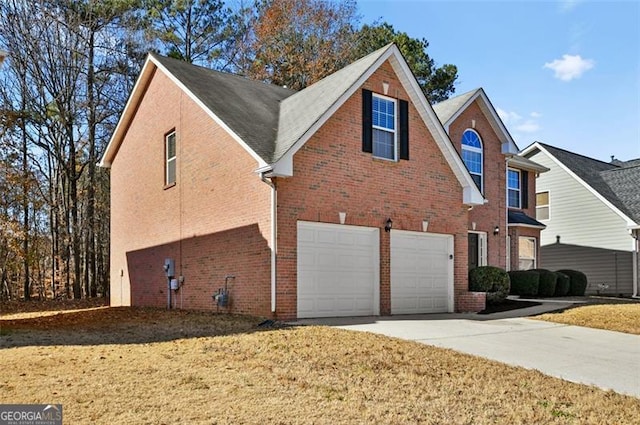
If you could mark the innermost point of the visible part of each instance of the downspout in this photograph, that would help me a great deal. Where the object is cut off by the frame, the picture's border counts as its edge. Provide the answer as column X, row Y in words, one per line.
column 636, row 248
column 274, row 235
column 507, row 238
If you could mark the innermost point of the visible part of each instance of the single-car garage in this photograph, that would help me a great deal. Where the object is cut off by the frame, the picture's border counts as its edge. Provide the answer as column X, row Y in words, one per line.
column 421, row 272
column 338, row 270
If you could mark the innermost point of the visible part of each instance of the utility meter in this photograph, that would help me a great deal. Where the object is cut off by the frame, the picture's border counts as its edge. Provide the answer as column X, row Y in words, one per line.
column 169, row 267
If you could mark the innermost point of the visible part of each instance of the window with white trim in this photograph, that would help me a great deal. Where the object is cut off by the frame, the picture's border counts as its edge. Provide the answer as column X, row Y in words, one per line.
column 384, row 127
column 542, row 205
column 170, row 158
column 514, row 189
column 472, row 155
column 526, row 253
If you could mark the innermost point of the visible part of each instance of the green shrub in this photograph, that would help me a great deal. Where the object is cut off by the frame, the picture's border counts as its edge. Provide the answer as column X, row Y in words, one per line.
column 492, row 280
column 547, row 284
column 562, row 284
column 524, row 282
column 577, row 282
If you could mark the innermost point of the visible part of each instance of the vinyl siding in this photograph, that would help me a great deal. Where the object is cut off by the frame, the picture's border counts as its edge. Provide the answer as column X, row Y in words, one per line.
column 615, row 268
column 576, row 214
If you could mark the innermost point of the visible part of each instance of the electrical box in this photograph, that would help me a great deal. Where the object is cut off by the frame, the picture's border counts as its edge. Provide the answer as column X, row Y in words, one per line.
column 174, row 285
column 170, row 267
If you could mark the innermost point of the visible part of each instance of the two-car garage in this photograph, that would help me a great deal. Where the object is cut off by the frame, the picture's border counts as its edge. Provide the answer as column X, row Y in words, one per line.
column 339, row 271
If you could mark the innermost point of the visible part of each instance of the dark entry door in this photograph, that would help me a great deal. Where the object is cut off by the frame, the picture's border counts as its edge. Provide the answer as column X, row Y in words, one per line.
column 473, row 251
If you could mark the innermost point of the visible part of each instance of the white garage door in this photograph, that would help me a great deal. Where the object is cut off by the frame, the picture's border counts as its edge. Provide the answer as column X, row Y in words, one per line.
column 421, row 272
column 338, row 270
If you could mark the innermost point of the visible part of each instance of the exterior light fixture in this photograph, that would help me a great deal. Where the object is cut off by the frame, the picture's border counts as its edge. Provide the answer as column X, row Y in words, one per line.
column 496, row 230
column 388, row 225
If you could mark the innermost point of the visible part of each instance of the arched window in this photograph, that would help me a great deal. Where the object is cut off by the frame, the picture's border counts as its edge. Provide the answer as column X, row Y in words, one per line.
column 472, row 155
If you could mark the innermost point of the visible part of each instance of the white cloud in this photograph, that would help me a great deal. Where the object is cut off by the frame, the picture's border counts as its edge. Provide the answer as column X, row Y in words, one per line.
column 508, row 117
column 529, row 126
column 570, row 67
column 518, row 123
column 568, row 5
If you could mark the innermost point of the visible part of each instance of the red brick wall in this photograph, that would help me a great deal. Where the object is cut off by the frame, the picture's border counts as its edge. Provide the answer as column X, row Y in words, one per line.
column 515, row 231
column 332, row 174
column 492, row 214
column 214, row 222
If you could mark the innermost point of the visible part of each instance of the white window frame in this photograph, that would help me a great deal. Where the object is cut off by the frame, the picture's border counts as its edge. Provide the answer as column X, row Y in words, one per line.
column 393, row 131
column 535, row 252
column 519, row 189
column 547, row 205
column 479, row 150
column 170, row 161
column 507, row 266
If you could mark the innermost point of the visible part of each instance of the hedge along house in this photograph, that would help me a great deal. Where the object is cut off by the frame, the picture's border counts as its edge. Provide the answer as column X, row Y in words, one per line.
column 502, row 232
column 345, row 198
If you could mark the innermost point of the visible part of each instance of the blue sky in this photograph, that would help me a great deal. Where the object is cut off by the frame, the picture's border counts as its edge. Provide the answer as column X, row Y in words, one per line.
column 565, row 73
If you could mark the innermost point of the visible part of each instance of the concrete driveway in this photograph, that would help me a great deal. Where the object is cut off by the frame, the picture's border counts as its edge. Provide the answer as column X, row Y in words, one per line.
column 609, row 360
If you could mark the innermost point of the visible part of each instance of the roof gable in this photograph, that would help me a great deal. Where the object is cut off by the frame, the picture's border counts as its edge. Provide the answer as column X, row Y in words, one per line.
column 300, row 117
column 272, row 122
column 618, row 187
column 249, row 108
column 317, row 102
column 251, row 118
column 448, row 110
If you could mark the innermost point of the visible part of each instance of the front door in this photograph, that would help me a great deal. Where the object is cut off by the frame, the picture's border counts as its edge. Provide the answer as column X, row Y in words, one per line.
column 477, row 249
column 473, row 251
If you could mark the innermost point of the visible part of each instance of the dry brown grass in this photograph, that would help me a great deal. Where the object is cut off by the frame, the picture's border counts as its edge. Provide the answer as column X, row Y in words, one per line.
column 612, row 317
column 122, row 366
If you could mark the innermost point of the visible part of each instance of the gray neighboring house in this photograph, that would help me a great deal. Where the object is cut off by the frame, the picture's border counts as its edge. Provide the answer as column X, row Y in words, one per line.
column 592, row 212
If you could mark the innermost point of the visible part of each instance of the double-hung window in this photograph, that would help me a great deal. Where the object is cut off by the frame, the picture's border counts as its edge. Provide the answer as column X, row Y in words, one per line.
column 472, row 155
column 542, row 206
column 526, row 253
column 514, row 189
column 384, row 127
column 170, row 158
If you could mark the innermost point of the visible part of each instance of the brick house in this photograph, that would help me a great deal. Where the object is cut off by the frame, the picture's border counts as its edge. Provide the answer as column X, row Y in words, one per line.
column 506, row 180
column 345, row 198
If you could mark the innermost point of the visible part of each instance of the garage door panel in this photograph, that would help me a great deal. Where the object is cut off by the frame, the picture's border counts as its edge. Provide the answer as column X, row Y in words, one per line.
column 421, row 272
column 338, row 270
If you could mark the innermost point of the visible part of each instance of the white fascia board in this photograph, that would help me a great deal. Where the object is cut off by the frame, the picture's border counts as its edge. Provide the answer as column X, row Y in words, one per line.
column 150, row 65
column 629, row 222
column 531, row 226
column 284, row 166
column 261, row 162
column 139, row 88
column 497, row 123
column 471, row 195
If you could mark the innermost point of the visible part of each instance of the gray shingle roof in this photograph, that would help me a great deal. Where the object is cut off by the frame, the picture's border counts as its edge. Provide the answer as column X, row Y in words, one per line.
column 518, row 217
column 270, row 119
column 629, row 163
column 625, row 183
column 250, row 108
column 618, row 185
column 447, row 108
column 300, row 111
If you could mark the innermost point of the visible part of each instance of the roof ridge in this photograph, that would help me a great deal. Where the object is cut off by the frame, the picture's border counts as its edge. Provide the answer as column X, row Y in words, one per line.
column 580, row 155
column 243, row 78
